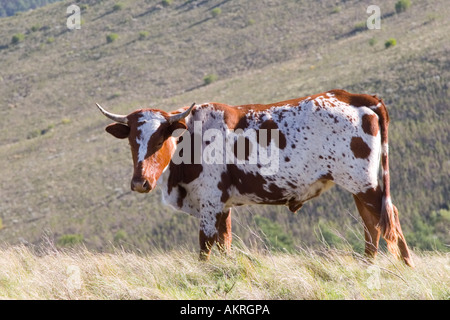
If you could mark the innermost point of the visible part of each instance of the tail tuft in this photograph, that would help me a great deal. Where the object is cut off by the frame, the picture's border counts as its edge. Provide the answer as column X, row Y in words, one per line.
column 388, row 225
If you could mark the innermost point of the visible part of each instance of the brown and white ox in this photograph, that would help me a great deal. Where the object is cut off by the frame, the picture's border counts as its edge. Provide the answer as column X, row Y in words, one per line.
column 329, row 138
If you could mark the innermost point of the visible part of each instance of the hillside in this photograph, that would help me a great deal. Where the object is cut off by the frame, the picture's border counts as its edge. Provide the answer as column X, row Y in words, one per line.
column 12, row 7
column 63, row 177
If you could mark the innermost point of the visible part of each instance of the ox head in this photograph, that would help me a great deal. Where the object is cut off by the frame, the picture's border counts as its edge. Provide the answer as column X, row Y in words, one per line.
column 149, row 132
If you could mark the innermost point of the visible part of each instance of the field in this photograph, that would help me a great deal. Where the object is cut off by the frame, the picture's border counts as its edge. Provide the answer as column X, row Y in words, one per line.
column 327, row 274
column 64, row 180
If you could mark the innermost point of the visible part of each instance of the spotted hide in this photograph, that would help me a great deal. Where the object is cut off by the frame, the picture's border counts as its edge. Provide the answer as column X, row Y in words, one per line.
column 329, row 138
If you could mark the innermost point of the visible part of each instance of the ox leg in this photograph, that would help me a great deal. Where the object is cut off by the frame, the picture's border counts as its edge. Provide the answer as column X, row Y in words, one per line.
column 224, row 237
column 213, row 231
column 206, row 243
column 371, row 232
column 369, row 207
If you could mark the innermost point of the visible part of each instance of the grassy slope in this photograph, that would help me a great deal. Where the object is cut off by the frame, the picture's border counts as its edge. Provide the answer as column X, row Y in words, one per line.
column 62, row 174
column 328, row 274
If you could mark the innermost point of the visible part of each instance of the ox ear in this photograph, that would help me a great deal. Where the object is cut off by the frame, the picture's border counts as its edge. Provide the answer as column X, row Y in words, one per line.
column 118, row 130
column 176, row 129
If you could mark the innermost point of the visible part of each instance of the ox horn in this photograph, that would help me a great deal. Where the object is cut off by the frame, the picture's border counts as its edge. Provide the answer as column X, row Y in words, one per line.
column 182, row 115
column 115, row 117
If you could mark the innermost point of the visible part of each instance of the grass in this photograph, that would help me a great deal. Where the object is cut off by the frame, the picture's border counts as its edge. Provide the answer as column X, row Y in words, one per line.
column 329, row 274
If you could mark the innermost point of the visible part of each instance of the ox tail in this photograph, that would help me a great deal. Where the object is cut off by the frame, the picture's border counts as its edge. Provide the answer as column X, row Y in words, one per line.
column 389, row 222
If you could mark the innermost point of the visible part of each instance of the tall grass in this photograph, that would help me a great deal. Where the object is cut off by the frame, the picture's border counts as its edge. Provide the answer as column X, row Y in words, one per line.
column 246, row 274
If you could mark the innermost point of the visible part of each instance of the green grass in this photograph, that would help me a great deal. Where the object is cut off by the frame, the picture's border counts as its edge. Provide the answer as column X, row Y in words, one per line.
column 248, row 275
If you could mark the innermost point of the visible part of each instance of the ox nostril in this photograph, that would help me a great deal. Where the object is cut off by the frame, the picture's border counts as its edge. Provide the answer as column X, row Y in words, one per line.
column 140, row 185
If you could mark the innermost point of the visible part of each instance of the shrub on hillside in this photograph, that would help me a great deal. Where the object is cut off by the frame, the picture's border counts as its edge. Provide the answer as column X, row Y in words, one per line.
column 35, row 28
column 372, row 41
column 18, row 37
column 390, row 43
column 143, row 35
column 118, row 6
column 69, row 240
column 210, row 78
column 402, row 5
column 112, row 37
column 360, row 26
column 215, row 12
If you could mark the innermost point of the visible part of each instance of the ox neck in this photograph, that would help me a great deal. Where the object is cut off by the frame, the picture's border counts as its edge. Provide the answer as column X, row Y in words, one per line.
column 163, row 178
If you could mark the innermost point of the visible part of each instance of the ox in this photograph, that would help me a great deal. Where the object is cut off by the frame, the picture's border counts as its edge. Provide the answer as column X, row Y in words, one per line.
column 329, row 138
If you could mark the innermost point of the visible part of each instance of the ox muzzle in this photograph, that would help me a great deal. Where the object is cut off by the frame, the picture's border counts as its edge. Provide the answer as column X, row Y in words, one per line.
column 140, row 185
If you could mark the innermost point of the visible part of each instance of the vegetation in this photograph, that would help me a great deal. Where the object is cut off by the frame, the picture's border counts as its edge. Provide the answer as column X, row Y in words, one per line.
column 327, row 274
column 73, row 178
column 118, row 6
column 167, row 3
column 69, row 240
column 402, row 5
column 210, row 78
column 18, row 37
column 143, row 35
column 215, row 12
column 360, row 26
column 112, row 37
column 10, row 8
column 391, row 42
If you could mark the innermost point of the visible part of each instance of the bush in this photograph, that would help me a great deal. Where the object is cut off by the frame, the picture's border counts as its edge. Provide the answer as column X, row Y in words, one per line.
column 143, row 35
column 69, row 240
column 35, row 28
column 118, row 6
column 18, row 37
column 360, row 26
column 112, row 37
column 120, row 236
column 372, row 41
column 167, row 3
column 402, row 5
column 390, row 43
column 336, row 9
column 210, row 78
column 215, row 12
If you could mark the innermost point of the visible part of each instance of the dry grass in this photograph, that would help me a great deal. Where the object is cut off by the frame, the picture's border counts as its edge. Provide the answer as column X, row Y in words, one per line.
column 330, row 274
